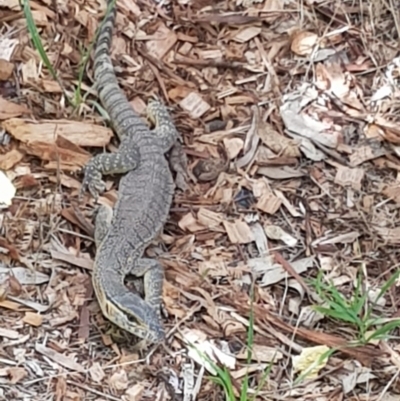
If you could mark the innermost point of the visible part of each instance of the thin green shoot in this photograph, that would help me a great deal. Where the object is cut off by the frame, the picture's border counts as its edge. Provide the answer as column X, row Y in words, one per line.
column 37, row 42
column 223, row 377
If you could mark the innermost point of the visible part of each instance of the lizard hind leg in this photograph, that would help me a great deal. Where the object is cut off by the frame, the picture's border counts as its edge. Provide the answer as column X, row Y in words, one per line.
column 102, row 223
column 153, row 278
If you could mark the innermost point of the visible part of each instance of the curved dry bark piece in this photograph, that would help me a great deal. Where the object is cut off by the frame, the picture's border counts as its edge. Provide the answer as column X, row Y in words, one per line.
column 252, row 140
column 210, row 169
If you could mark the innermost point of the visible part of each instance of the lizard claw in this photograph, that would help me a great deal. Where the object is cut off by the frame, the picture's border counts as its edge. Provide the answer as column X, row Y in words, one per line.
column 92, row 181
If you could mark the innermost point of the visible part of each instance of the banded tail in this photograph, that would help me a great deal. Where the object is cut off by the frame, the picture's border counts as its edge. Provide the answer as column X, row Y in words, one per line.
column 123, row 117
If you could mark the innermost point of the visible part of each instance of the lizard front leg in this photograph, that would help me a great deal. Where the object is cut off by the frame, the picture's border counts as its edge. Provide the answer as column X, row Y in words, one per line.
column 104, row 164
column 171, row 139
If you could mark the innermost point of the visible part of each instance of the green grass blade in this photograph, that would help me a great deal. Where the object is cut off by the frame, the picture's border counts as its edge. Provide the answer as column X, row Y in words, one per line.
column 250, row 343
column 263, row 379
column 335, row 314
column 383, row 331
column 387, row 285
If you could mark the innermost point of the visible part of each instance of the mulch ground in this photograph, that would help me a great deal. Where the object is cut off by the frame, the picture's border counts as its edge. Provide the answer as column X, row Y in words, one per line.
column 289, row 113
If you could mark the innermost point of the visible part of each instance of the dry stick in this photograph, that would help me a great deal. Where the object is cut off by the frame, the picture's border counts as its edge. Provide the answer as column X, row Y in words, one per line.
column 91, row 390
column 288, row 267
column 364, row 354
column 208, row 63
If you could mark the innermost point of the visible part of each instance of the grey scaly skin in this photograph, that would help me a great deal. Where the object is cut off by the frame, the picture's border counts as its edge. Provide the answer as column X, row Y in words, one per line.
column 144, row 198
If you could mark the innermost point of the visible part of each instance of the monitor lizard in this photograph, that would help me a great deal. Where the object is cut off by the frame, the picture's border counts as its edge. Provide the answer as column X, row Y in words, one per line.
column 145, row 195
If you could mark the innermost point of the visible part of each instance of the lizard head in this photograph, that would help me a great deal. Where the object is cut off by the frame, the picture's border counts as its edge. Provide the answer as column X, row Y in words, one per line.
column 130, row 312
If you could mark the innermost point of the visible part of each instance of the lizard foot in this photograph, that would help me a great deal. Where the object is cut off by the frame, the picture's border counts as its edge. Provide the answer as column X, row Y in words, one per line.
column 93, row 182
column 178, row 163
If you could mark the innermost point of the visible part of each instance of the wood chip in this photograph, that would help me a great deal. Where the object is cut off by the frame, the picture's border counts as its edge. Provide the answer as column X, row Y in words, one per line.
column 269, row 203
column 189, row 223
column 303, row 43
column 72, row 259
column 10, row 159
column 6, row 70
column 33, row 319
column 352, row 177
column 119, row 380
column 247, row 34
column 238, row 232
column 97, row 373
column 194, row 105
column 209, row 219
column 78, row 133
column 163, row 42
column 8, row 333
column 135, row 392
column 16, row 374
column 233, row 146
column 58, row 358
column 9, row 109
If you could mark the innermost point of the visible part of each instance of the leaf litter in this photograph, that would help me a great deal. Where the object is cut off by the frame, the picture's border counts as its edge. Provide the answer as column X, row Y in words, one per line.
column 289, row 116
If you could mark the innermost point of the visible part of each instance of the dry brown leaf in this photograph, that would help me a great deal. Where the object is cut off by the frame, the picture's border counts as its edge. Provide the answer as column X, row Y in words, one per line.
column 96, row 372
column 50, row 86
column 177, row 93
column 391, row 191
column 278, row 143
column 24, row 276
column 129, row 7
column 303, row 43
column 16, row 374
column 278, row 234
column 66, row 181
column 346, row 238
column 26, row 181
column 119, row 380
column 11, row 249
column 233, row 146
column 61, row 388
